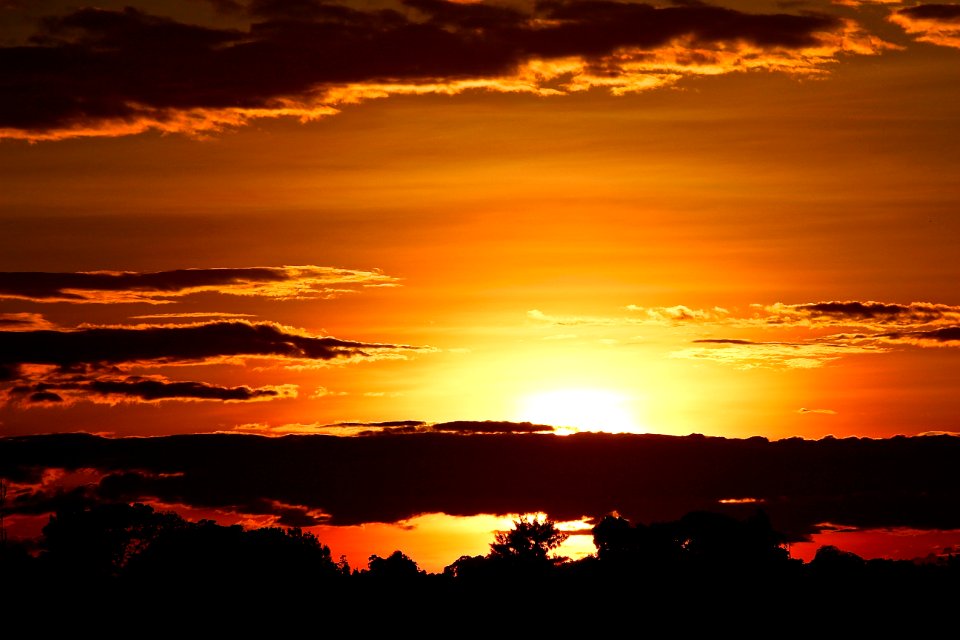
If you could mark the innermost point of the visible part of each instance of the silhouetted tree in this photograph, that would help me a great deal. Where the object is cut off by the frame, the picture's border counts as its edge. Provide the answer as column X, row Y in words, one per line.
column 837, row 563
column 531, row 539
column 617, row 541
column 636, row 548
column 467, row 568
column 98, row 542
column 397, row 566
column 229, row 555
column 713, row 539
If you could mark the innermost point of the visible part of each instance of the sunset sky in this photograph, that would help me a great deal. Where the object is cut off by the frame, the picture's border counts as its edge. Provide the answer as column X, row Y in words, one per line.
column 251, row 216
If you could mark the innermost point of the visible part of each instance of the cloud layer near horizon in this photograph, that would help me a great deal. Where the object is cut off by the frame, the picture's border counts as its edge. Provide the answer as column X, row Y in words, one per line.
column 900, row 482
column 92, row 72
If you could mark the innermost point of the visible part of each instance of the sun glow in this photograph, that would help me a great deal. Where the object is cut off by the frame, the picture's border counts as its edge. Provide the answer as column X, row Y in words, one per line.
column 573, row 410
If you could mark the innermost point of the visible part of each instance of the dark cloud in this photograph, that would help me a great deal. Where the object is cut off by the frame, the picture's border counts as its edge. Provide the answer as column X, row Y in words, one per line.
column 946, row 336
column 93, row 363
column 143, row 389
column 728, row 341
column 300, row 282
column 45, row 396
column 490, row 426
column 868, row 313
column 387, row 423
column 171, row 344
column 934, row 23
column 898, row 482
column 107, row 72
column 946, row 12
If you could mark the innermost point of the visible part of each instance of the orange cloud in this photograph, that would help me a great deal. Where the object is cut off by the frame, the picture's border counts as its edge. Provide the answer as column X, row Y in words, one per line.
column 173, row 76
column 934, row 23
column 307, row 282
column 24, row 322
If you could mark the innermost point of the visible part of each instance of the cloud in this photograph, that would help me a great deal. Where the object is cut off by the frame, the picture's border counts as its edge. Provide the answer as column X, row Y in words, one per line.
column 194, row 315
column 898, row 482
column 860, row 3
column 827, row 412
column 172, row 344
column 279, row 283
column 680, row 313
column 94, row 72
column 881, row 327
column 342, row 429
column 934, row 23
column 60, row 366
column 23, row 322
column 68, row 389
column 869, row 314
column 817, row 351
column 490, row 426
column 323, row 392
column 943, row 337
column 395, row 427
column 849, row 313
column 315, row 428
column 746, row 354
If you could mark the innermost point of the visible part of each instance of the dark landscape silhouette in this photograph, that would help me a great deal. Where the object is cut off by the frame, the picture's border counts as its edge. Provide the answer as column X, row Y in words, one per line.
column 120, row 553
column 667, row 543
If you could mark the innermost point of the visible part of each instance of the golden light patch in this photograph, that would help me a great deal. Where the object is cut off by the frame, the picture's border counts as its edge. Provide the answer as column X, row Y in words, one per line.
column 574, row 410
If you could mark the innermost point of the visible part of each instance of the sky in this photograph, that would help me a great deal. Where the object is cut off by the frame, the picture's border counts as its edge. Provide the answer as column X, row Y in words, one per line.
column 263, row 217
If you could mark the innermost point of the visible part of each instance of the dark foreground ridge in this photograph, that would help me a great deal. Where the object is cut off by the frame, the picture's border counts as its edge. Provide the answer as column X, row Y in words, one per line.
column 708, row 564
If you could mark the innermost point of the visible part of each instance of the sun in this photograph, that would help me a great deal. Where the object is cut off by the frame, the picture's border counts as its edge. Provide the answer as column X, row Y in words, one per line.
column 573, row 410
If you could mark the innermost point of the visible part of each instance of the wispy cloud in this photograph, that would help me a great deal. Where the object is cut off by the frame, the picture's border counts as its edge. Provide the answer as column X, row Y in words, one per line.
column 678, row 314
column 24, row 322
column 160, row 287
column 875, row 327
column 90, row 72
column 194, row 315
column 747, row 354
column 826, row 412
column 869, row 314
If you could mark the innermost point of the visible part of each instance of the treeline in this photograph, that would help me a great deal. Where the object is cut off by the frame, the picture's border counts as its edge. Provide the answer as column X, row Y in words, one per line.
column 126, row 550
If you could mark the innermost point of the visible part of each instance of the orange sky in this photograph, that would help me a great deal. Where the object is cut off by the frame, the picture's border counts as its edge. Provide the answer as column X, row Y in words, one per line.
column 546, row 221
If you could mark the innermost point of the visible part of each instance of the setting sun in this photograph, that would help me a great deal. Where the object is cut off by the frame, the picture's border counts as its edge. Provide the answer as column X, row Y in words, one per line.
column 580, row 410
